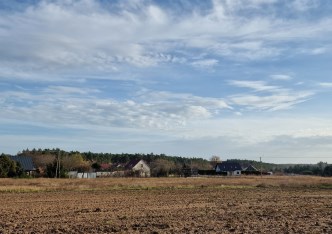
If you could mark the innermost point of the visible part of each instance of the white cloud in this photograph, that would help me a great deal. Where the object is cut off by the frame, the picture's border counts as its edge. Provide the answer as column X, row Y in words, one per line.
column 69, row 90
column 79, row 36
column 205, row 63
column 71, row 105
column 320, row 50
column 247, row 50
column 255, row 85
column 160, row 97
column 281, row 77
column 273, row 98
column 314, row 51
column 274, row 102
column 325, row 84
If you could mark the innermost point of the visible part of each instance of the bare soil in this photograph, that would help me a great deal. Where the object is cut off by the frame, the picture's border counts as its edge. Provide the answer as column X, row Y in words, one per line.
column 164, row 209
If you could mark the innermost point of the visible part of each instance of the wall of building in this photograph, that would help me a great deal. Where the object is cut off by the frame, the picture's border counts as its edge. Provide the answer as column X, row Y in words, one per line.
column 142, row 168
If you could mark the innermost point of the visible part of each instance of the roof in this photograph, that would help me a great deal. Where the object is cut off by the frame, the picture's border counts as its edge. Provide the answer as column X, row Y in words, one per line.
column 251, row 168
column 25, row 162
column 132, row 163
column 229, row 166
column 105, row 166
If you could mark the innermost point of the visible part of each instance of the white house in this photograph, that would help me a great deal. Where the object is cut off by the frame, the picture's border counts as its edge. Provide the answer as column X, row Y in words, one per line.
column 139, row 168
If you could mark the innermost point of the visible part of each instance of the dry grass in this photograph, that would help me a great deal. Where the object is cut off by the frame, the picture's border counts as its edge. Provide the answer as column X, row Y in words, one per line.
column 43, row 184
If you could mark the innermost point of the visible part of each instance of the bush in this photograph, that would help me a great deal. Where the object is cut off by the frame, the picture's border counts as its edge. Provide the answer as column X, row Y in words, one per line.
column 328, row 170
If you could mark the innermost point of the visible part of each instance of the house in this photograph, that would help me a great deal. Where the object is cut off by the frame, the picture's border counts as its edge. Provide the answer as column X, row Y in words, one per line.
column 228, row 168
column 138, row 167
column 251, row 170
column 25, row 162
column 105, row 166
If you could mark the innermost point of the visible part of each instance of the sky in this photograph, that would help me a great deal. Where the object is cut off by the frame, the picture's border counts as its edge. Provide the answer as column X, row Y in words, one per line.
column 234, row 78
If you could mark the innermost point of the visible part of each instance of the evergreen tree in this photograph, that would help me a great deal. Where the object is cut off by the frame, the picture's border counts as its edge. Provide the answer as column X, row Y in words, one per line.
column 9, row 168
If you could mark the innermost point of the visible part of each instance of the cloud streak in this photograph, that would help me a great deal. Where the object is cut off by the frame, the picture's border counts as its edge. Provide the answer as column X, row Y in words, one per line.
column 270, row 98
column 71, row 105
column 281, row 77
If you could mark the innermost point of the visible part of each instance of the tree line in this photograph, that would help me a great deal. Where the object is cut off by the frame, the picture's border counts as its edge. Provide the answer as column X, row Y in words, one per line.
column 47, row 163
column 319, row 169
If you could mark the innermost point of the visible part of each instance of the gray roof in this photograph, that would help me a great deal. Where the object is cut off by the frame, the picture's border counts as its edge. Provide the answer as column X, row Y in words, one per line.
column 251, row 168
column 25, row 162
column 229, row 166
column 132, row 163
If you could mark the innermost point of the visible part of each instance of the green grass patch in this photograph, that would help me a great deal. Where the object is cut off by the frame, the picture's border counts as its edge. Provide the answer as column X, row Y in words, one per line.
column 325, row 186
column 22, row 190
column 233, row 187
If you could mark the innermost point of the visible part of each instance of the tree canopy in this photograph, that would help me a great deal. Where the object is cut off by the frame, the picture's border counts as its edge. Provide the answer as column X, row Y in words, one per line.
column 9, row 168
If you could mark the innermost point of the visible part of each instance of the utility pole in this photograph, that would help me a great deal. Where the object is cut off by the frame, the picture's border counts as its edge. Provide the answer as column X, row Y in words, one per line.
column 59, row 161
column 260, row 159
column 57, row 169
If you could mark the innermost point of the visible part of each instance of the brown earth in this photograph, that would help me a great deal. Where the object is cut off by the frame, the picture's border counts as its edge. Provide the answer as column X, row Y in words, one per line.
column 167, row 209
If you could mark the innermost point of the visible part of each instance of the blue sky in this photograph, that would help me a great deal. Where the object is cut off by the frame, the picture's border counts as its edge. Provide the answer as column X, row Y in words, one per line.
column 238, row 79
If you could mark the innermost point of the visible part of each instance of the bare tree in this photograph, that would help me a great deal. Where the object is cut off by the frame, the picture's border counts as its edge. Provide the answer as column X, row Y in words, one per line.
column 162, row 167
column 214, row 160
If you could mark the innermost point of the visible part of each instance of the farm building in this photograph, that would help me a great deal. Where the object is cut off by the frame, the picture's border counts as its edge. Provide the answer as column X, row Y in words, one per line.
column 26, row 163
column 138, row 168
column 105, row 166
column 229, row 168
column 251, row 170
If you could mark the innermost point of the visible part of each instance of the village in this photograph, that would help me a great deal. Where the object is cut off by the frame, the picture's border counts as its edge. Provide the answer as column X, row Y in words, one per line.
column 57, row 163
column 134, row 168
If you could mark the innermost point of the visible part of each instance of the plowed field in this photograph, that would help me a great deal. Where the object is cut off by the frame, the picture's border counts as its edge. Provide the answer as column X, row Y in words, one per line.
column 197, row 209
